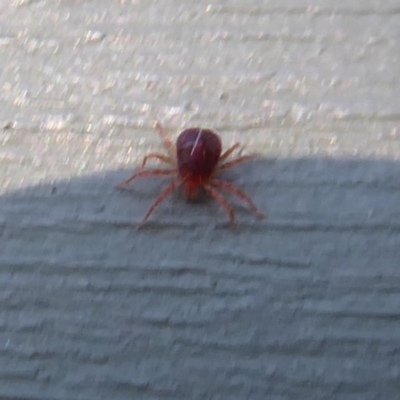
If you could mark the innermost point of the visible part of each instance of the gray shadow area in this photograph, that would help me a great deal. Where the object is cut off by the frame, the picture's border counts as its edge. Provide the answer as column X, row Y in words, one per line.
column 305, row 305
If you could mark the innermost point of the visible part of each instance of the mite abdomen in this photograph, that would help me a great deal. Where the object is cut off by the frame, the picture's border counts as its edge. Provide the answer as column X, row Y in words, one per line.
column 198, row 152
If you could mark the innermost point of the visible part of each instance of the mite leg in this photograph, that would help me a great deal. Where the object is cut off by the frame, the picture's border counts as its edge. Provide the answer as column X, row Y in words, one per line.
column 228, row 152
column 162, row 197
column 146, row 174
column 169, row 144
column 158, row 156
column 228, row 187
column 233, row 163
column 223, row 202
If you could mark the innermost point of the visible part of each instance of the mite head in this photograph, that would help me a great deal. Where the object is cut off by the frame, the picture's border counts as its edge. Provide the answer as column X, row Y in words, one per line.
column 198, row 151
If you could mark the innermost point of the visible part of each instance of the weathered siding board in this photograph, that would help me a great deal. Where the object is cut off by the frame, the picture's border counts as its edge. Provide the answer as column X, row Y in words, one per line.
column 303, row 306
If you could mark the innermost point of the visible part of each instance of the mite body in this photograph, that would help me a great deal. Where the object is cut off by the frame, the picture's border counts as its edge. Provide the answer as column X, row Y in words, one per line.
column 194, row 163
column 198, row 152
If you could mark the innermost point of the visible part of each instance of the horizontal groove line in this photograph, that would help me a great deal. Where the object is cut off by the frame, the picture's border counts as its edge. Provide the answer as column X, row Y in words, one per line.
column 86, row 226
column 311, row 11
column 355, row 314
column 11, row 395
column 260, row 261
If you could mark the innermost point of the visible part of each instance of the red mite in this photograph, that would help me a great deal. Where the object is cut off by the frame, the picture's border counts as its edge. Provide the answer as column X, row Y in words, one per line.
column 195, row 162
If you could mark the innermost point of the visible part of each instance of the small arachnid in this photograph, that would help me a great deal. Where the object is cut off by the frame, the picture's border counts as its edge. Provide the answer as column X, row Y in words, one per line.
column 194, row 163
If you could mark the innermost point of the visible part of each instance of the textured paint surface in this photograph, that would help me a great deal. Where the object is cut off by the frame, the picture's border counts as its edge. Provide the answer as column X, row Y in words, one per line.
column 305, row 305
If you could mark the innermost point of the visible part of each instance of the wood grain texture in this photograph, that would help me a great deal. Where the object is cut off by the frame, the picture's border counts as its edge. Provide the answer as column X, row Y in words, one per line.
column 305, row 305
